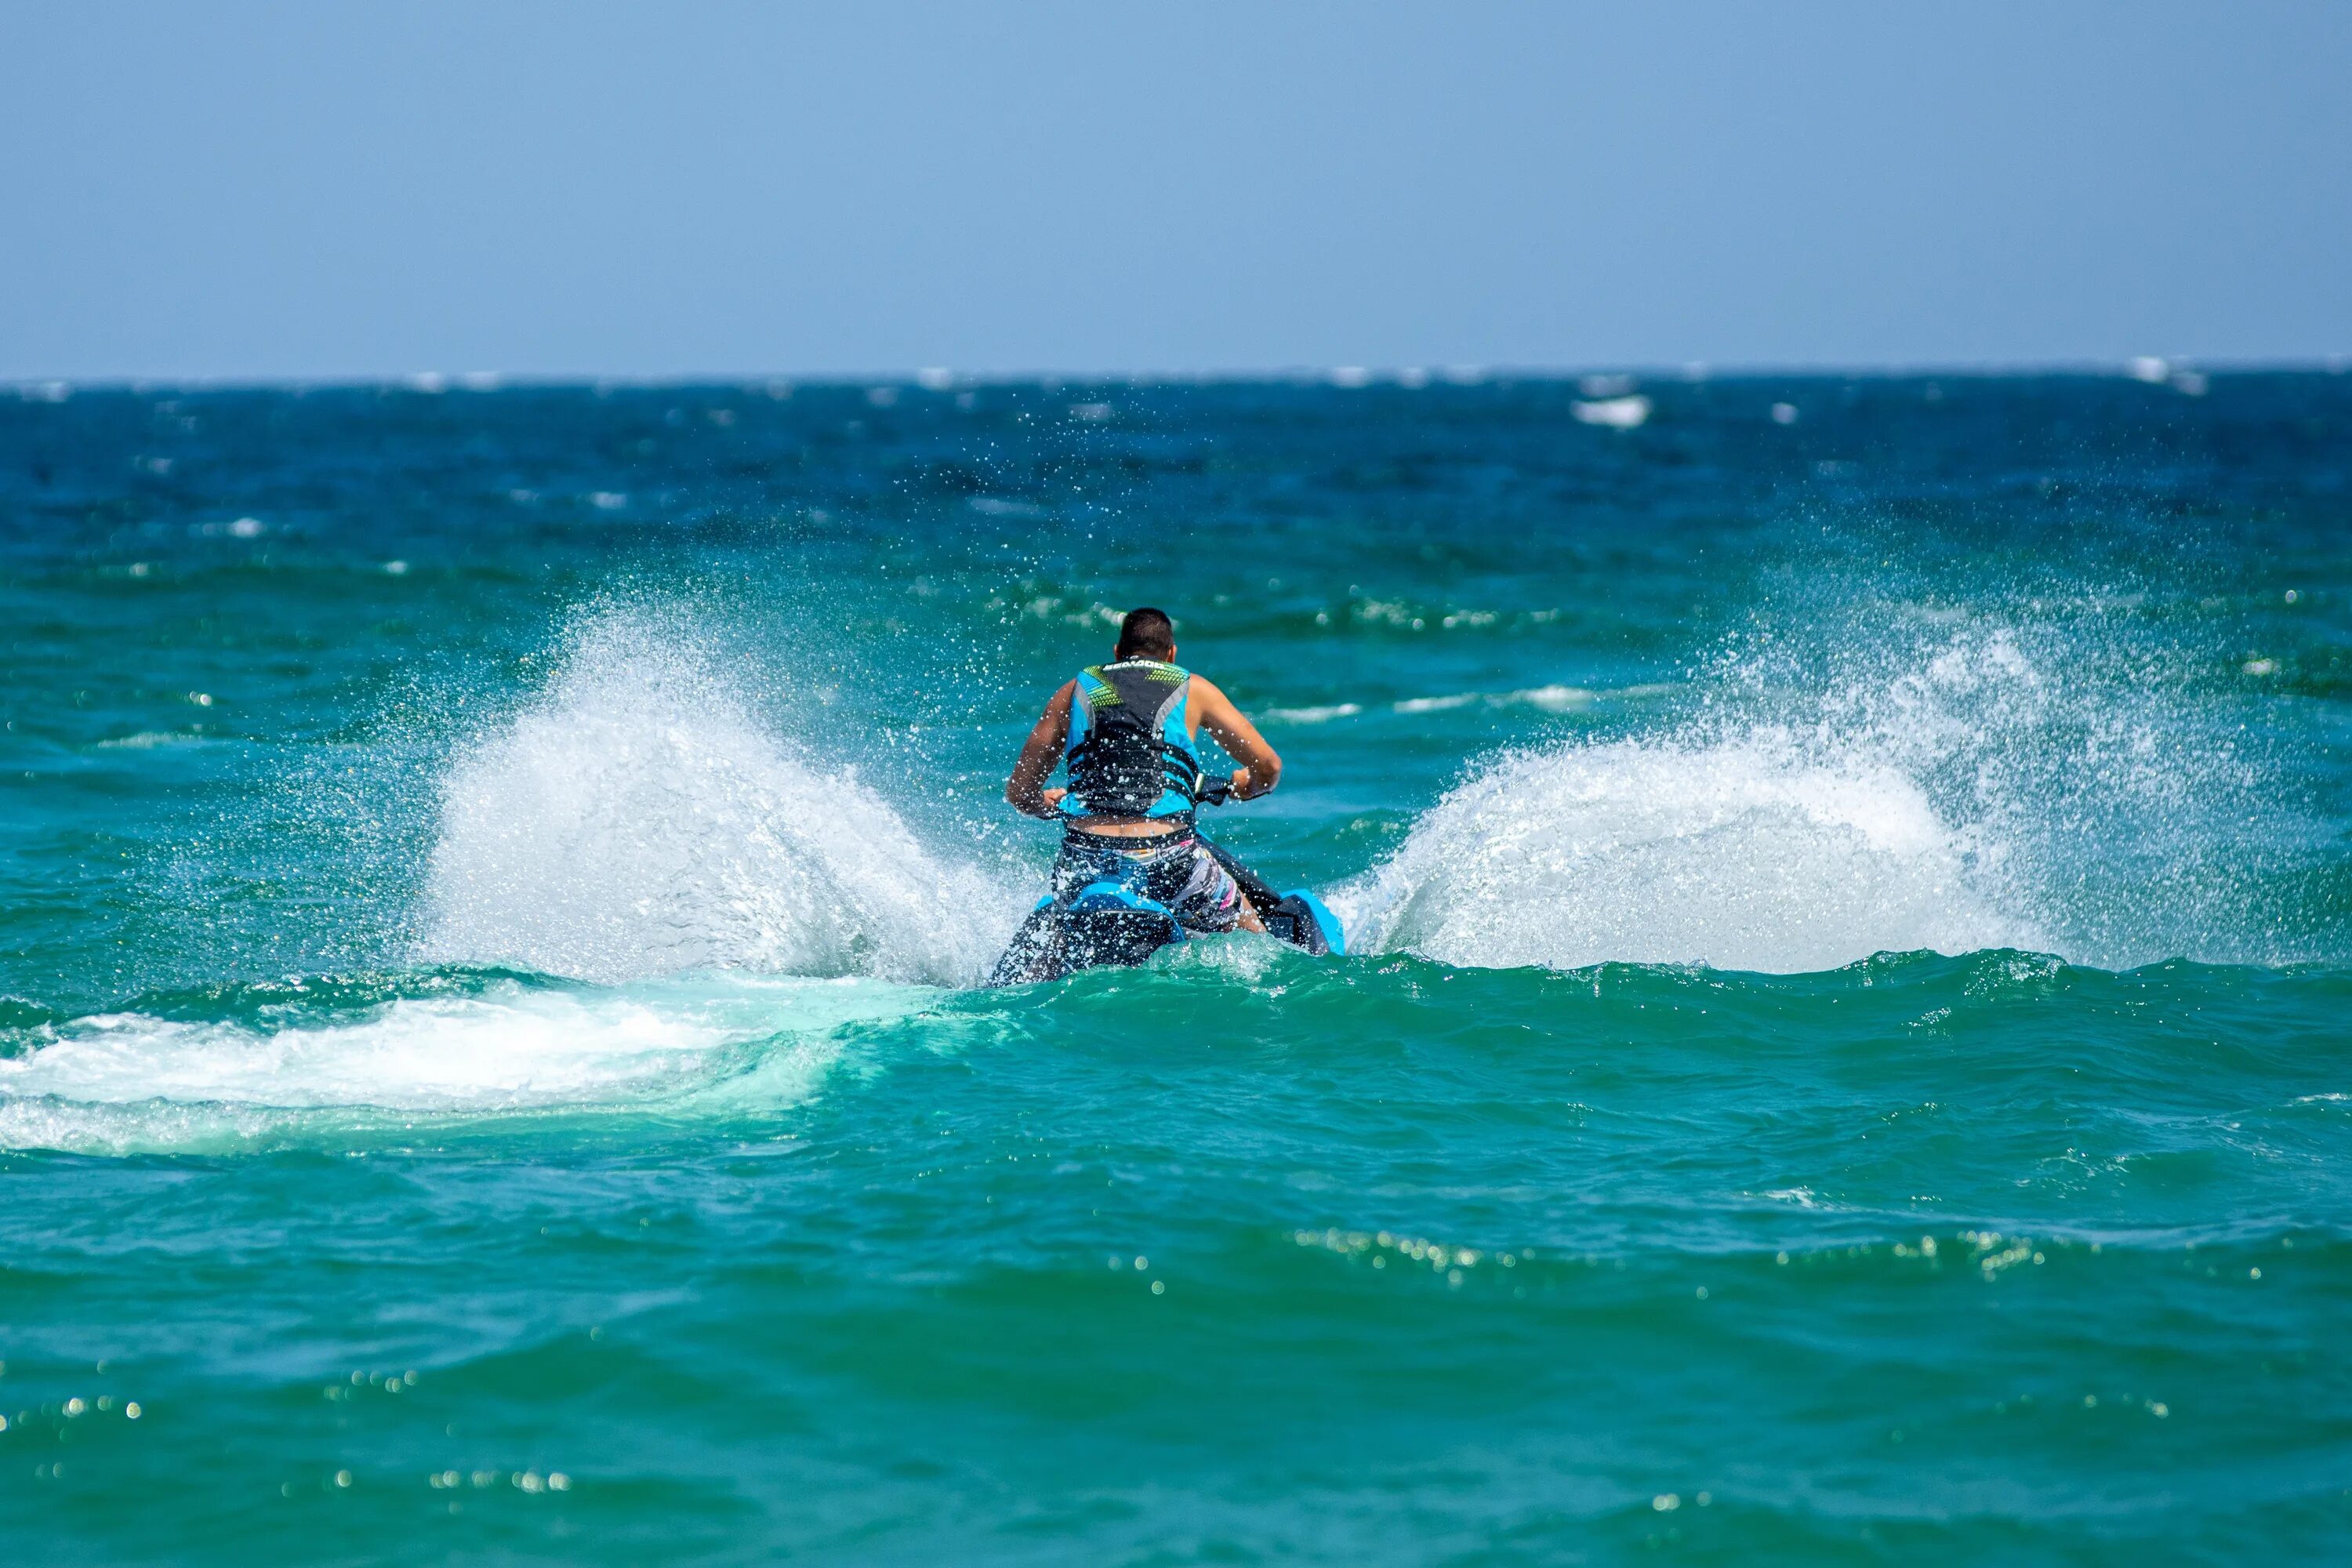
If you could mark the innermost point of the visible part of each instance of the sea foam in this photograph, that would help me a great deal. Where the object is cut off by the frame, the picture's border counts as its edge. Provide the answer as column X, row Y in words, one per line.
column 707, row 1044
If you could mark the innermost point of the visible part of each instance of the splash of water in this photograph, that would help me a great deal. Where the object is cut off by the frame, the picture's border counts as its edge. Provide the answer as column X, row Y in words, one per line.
column 637, row 820
column 1949, row 782
column 1742, row 855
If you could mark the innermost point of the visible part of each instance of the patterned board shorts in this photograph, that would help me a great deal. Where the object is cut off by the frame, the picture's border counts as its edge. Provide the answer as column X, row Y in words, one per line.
column 1173, row 870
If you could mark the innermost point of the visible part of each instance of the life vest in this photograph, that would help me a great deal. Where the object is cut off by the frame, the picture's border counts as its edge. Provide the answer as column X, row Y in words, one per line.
column 1130, row 750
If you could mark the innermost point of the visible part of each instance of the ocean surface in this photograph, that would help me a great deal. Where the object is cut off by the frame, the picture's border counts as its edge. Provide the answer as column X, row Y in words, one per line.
column 1846, row 1054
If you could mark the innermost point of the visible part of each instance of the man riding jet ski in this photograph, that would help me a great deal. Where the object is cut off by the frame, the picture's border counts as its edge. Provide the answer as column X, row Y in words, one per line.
column 1133, row 874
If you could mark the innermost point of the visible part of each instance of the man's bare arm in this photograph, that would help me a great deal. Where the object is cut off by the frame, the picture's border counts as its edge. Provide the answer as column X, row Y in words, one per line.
column 1025, row 790
column 1260, row 767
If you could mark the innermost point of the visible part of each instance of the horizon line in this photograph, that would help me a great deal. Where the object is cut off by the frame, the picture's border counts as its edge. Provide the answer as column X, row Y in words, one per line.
column 2149, row 368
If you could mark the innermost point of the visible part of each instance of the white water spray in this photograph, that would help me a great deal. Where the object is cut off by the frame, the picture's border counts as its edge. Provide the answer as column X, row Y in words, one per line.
column 1740, row 855
column 636, row 820
column 1943, row 781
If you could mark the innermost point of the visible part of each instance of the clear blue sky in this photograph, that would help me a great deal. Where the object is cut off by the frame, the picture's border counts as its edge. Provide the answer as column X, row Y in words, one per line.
column 314, row 190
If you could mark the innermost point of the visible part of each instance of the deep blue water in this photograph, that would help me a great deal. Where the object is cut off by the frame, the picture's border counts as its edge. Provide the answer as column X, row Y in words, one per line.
column 1844, row 1053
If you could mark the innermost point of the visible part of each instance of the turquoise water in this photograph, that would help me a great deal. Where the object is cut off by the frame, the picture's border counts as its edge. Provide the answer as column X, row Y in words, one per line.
column 1845, row 1056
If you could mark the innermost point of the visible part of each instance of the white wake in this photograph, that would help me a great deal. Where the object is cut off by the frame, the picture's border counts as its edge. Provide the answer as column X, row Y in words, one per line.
column 687, row 1046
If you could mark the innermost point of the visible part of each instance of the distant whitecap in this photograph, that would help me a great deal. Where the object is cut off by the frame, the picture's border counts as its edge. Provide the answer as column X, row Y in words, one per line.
column 1615, row 413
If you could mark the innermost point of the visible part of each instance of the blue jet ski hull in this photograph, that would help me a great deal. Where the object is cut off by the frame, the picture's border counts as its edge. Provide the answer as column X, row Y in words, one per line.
column 1108, row 925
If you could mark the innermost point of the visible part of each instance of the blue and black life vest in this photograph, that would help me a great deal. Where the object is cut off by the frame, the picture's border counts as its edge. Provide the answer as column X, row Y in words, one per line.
column 1131, row 751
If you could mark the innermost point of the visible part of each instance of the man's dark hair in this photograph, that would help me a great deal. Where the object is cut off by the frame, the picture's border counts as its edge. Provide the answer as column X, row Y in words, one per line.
column 1146, row 633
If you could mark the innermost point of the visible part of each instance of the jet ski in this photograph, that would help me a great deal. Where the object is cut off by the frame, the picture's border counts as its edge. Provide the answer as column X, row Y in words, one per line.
column 1104, row 924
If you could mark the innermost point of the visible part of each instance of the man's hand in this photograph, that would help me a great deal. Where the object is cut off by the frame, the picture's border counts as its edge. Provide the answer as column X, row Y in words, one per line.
column 1038, row 754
